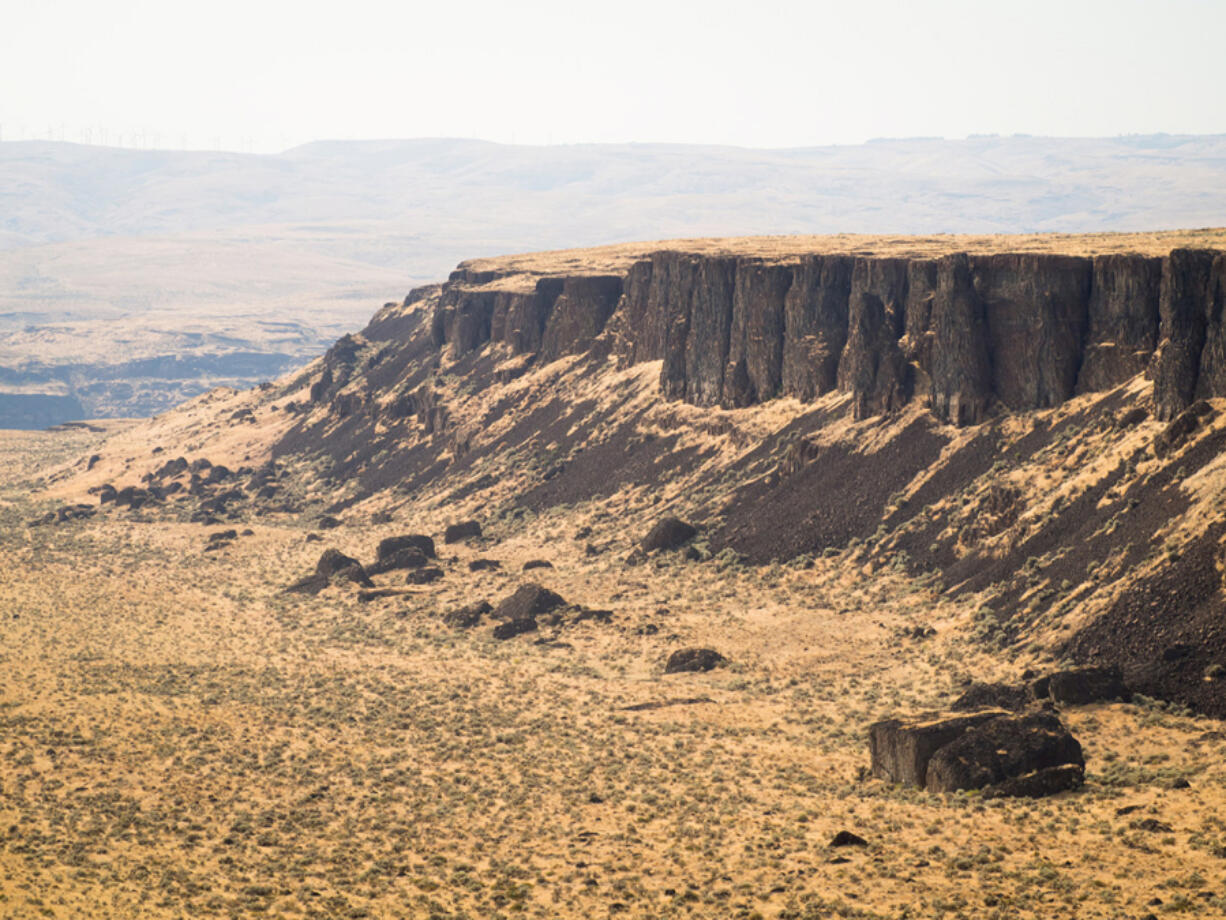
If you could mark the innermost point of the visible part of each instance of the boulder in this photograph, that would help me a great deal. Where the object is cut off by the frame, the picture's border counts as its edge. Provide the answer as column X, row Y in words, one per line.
column 508, row 629
column 333, row 564
column 529, row 600
column 900, row 750
column 461, row 531
column 484, row 565
column 668, row 533
column 537, row 564
column 693, row 659
column 325, row 522
column 420, row 542
column 1079, row 686
column 1002, row 750
column 848, row 839
column 424, row 576
column 467, row 616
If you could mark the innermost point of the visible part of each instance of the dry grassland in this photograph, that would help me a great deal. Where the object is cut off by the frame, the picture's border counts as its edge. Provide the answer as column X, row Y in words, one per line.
column 179, row 739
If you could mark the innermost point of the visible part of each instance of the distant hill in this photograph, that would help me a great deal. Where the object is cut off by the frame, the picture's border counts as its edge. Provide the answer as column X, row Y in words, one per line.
column 112, row 256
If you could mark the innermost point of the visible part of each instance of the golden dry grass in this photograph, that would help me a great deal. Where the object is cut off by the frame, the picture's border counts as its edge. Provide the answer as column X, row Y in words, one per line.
column 618, row 258
column 182, row 740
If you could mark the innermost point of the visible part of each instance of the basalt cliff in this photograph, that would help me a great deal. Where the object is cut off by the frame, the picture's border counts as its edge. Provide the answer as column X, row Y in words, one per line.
column 961, row 333
column 1029, row 427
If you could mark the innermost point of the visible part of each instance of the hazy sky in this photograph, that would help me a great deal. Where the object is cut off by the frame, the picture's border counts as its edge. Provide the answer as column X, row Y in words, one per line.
column 268, row 75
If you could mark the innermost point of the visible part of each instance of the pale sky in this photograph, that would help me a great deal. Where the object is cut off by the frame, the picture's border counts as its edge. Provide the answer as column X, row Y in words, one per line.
column 265, row 75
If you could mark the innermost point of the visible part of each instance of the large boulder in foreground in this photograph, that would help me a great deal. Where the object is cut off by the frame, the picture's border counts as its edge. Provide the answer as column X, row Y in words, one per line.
column 669, row 533
column 999, row 753
column 901, row 749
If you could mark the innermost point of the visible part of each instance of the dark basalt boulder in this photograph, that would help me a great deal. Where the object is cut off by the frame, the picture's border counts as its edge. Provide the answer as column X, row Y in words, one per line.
column 509, row 629
column 468, row 616
column 848, row 839
column 223, row 535
column 327, row 522
column 420, row 542
column 1080, row 686
column 693, row 659
column 107, row 494
column 484, row 565
column 217, row 474
column 424, row 576
column 537, row 564
column 333, row 564
column 530, row 600
column 900, row 749
column 669, row 533
column 1013, row 697
column 461, row 531
column 1005, row 749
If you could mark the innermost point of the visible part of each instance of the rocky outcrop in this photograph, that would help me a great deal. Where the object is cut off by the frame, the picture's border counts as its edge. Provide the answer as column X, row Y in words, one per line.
column 1122, row 318
column 965, row 333
column 1184, row 309
column 1001, row 754
column 816, row 324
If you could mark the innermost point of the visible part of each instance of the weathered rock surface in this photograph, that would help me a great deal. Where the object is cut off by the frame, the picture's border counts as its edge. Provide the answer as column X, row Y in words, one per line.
column 964, row 332
column 391, row 545
column 468, row 616
column 693, row 659
column 529, row 600
column 462, row 531
column 900, row 750
column 1004, row 749
column 1003, row 754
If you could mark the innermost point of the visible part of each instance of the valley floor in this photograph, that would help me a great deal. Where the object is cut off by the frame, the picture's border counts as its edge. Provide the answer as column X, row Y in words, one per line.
column 178, row 738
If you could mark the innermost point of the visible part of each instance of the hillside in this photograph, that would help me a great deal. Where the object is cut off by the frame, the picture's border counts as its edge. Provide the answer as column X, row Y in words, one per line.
column 916, row 467
column 112, row 257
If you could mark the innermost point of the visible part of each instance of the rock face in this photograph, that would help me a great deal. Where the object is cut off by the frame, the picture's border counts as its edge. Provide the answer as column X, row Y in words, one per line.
column 1000, row 753
column 964, row 332
column 1122, row 320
